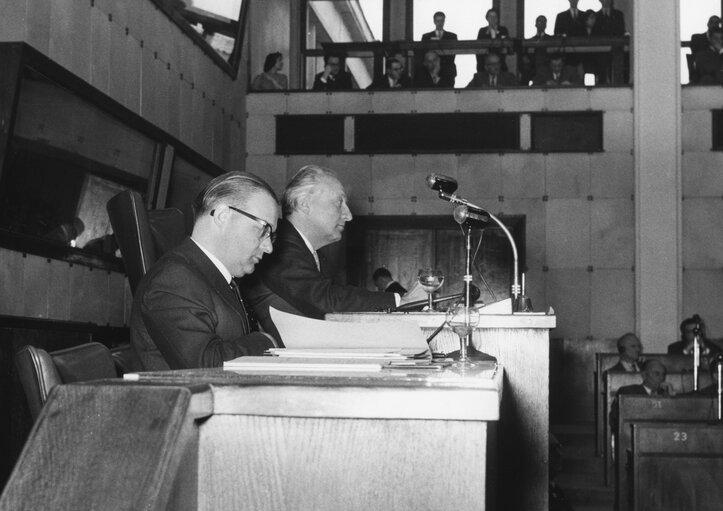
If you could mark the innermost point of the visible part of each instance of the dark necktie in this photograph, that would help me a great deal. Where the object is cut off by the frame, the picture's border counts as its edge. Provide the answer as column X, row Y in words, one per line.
column 250, row 323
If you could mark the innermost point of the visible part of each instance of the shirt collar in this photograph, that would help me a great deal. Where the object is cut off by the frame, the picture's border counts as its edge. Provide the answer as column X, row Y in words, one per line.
column 629, row 366
column 218, row 264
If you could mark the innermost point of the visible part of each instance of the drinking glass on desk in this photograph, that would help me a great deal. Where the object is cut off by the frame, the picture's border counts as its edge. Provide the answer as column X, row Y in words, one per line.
column 430, row 280
column 462, row 320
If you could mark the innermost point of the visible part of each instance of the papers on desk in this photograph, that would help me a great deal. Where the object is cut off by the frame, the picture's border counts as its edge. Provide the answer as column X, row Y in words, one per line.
column 298, row 332
column 326, row 346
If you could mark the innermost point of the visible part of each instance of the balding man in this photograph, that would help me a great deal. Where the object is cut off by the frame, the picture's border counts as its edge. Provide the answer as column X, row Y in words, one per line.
column 296, row 278
column 654, row 383
column 187, row 311
column 630, row 349
column 431, row 75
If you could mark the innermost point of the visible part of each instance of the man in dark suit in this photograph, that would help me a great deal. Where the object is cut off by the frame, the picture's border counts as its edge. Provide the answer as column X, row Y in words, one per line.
column 688, row 329
column 557, row 74
column 709, row 62
column 493, row 31
column 297, row 278
column 333, row 77
column 630, row 348
column 383, row 281
column 394, row 78
column 701, row 42
column 440, row 34
column 654, row 384
column 432, row 75
column 492, row 77
column 610, row 21
column 569, row 22
column 187, row 311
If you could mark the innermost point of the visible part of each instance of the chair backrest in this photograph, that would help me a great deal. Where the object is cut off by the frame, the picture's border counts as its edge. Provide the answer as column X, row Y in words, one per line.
column 40, row 371
column 143, row 236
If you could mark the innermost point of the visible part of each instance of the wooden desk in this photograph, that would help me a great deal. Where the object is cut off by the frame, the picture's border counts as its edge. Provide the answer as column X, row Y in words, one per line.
column 209, row 439
column 678, row 466
column 520, row 342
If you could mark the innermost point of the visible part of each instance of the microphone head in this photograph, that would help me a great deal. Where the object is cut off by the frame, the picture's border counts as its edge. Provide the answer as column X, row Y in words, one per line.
column 470, row 216
column 474, row 293
column 441, row 183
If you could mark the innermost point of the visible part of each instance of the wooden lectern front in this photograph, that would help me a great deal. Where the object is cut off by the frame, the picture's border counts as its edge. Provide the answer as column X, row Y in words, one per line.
column 396, row 439
column 521, row 344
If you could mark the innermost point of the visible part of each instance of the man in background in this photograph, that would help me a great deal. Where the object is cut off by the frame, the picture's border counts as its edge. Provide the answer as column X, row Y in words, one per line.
column 394, row 78
column 569, row 22
column 187, row 311
column 440, row 34
column 333, row 77
column 685, row 346
column 557, row 74
column 492, row 77
column 630, row 349
column 432, row 75
column 383, row 281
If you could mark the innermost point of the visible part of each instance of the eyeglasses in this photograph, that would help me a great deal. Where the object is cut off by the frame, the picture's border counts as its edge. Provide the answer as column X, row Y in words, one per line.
column 266, row 230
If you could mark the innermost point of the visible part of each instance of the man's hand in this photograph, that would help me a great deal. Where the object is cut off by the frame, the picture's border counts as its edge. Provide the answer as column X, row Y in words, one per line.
column 667, row 388
column 327, row 72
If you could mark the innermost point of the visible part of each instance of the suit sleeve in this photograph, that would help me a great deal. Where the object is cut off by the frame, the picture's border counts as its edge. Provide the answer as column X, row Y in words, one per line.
column 294, row 277
column 185, row 322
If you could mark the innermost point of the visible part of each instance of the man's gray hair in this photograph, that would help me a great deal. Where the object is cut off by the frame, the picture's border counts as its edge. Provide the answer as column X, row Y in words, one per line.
column 302, row 184
column 236, row 187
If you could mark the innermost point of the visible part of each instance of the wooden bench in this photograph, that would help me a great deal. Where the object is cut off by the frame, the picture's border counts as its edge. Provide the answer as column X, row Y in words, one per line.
column 678, row 466
column 647, row 410
column 603, row 362
column 682, row 382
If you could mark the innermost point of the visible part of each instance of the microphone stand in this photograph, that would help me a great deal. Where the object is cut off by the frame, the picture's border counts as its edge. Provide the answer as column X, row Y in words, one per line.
column 696, row 356
column 719, row 367
column 464, row 202
column 467, row 281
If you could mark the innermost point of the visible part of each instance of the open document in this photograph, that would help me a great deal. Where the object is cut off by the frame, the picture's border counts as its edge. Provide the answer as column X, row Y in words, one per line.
column 315, row 345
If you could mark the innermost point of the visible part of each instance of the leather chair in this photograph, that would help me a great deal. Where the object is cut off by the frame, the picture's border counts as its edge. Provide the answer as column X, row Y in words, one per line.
column 40, row 371
column 143, row 236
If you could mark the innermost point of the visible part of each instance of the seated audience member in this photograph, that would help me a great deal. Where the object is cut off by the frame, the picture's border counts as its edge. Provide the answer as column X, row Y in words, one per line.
column 394, row 78
column 492, row 77
column 653, row 384
column 569, row 22
column 440, row 34
column 187, row 311
column 611, row 21
column 383, row 281
column 701, row 42
column 557, row 74
column 297, row 278
column 709, row 62
column 687, row 339
column 432, row 74
column 333, row 77
column 630, row 349
column 493, row 31
column 272, row 78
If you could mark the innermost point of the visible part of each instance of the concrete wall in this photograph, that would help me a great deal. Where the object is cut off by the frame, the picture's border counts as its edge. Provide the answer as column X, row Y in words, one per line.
column 579, row 207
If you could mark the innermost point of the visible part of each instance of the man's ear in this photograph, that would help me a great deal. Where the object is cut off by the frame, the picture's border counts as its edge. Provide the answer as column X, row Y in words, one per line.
column 220, row 215
column 303, row 205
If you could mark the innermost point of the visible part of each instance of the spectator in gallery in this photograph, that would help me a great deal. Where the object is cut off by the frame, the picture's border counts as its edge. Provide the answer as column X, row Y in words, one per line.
column 557, row 74
column 540, row 29
column 492, row 77
column 527, row 63
column 440, row 34
column 569, row 22
column 708, row 62
column 630, row 349
column 611, row 21
column 701, row 42
column 431, row 74
column 383, row 281
column 333, row 77
column 272, row 78
column 684, row 346
column 394, row 78
column 493, row 31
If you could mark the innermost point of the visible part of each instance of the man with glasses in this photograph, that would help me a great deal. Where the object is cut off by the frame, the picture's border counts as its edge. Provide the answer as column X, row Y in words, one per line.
column 298, row 279
column 188, row 311
column 395, row 78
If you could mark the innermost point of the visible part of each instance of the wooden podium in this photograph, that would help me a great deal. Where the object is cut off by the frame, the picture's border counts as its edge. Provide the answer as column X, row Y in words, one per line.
column 397, row 439
column 520, row 342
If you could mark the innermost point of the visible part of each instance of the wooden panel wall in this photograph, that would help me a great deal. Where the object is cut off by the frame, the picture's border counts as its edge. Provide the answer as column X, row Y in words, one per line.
column 131, row 51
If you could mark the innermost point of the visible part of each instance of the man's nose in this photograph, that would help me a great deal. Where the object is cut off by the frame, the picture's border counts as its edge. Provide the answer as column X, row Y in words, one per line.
column 346, row 213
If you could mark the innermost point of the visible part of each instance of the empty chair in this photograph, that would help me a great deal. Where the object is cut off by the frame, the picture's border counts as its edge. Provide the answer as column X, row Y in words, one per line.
column 143, row 236
column 40, row 371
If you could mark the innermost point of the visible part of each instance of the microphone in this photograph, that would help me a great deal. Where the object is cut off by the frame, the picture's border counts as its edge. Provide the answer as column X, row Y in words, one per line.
column 471, row 216
column 698, row 321
column 442, row 183
column 474, row 294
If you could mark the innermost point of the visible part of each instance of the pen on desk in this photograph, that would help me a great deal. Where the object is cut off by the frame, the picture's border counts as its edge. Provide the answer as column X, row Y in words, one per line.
column 434, row 334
